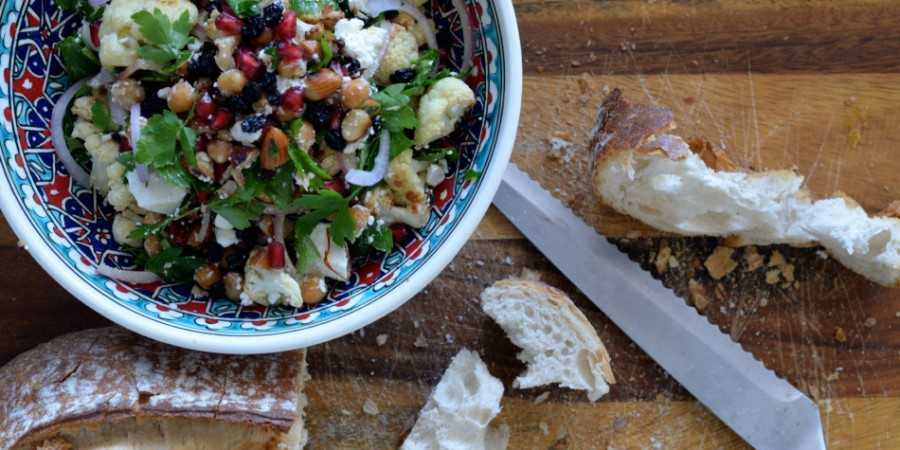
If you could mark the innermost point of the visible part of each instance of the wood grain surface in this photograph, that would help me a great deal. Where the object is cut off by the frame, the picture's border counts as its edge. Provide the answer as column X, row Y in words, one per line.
column 812, row 85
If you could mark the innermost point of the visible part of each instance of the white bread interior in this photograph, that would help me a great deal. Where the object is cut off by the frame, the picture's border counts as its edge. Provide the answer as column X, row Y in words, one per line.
column 458, row 413
column 559, row 344
column 645, row 172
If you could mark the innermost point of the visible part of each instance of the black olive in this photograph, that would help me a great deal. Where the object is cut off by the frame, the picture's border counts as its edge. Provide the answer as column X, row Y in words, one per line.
column 252, row 28
column 334, row 140
column 403, row 75
column 272, row 14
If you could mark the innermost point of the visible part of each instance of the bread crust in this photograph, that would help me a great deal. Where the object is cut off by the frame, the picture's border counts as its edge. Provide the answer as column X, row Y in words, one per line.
column 567, row 310
column 95, row 377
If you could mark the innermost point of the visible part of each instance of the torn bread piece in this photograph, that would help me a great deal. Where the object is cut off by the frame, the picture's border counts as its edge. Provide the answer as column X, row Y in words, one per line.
column 108, row 388
column 642, row 170
column 558, row 343
column 460, row 409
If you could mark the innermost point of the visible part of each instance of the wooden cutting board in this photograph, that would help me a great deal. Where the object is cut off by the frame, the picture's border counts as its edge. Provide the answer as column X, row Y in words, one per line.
column 812, row 85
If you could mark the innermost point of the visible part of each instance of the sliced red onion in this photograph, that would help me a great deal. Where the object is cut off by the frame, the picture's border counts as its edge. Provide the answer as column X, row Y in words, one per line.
column 86, row 35
column 382, row 159
column 204, row 224
column 98, row 3
column 271, row 209
column 278, row 227
column 376, row 7
column 58, row 136
column 118, row 113
column 135, row 129
column 140, row 64
column 103, row 78
column 370, row 72
column 128, row 276
column 468, row 41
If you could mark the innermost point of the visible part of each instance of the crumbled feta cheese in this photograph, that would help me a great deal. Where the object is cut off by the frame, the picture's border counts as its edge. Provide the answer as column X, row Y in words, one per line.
column 157, row 194
column 226, row 237
column 434, row 175
column 364, row 44
column 283, row 84
column 303, row 29
column 238, row 134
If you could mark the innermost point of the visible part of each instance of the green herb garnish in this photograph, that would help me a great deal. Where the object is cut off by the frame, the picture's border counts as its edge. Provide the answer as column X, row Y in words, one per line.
column 312, row 7
column 322, row 205
column 244, row 8
column 471, row 175
column 102, row 118
column 78, row 59
column 172, row 266
column 167, row 40
column 157, row 147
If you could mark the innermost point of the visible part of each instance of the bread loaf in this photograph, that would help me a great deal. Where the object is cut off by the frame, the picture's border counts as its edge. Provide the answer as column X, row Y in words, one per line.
column 643, row 170
column 108, row 388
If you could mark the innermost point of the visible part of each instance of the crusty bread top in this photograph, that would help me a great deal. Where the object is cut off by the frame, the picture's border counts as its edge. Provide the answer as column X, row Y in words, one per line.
column 621, row 125
column 568, row 311
column 105, row 374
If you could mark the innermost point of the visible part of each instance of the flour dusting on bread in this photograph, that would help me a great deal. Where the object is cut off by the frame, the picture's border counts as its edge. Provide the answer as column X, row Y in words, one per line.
column 643, row 170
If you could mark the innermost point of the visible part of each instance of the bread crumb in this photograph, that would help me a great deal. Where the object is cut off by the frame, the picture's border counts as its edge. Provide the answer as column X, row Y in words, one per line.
column 542, row 397
column 420, row 341
column 381, row 339
column 833, row 376
column 508, row 261
column 561, row 150
column 528, row 274
column 840, row 335
column 56, row 443
column 773, row 276
column 822, row 254
column 763, row 302
column 662, row 257
column 788, row 272
column 619, row 423
column 698, row 295
column 673, row 262
column 720, row 263
column 870, row 322
column 369, row 407
column 753, row 259
column 776, row 259
column 544, row 428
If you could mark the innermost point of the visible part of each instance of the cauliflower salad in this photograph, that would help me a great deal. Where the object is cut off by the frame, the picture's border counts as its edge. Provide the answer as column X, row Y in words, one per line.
column 255, row 147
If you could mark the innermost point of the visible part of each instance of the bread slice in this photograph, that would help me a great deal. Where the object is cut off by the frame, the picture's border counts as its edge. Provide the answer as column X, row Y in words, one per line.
column 108, row 388
column 558, row 343
column 642, row 170
column 460, row 409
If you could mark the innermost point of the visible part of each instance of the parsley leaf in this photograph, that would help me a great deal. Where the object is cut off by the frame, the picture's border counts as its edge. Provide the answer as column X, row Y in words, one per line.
column 102, row 118
column 327, row 52
column 306, row 251
column 187, row 140
column 78, row 59
column 305, row 163
column 157, row 147
column 397, row 115
column 172, row 266
column 144, row 230
column 312, row 7
column 167, row 39
column 244, row 8
column 377, row 236
column 471, row 175
column 448, row 153
column 280, row 187
column 321, row 206
column 240, row 216
column 83, row 6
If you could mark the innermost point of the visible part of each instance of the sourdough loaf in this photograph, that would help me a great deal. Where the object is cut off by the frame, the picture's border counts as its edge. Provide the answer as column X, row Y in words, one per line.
column 643, row 170
column 109, row 388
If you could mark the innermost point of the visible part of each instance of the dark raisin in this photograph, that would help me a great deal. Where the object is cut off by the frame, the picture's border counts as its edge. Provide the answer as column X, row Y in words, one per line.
column 391, row 15
column 353, row 68
column 269, row 83
column 204, row 63
column 152, row 104
column 334, row 140
column 403, row 75
column 272, row 14
column 274, row 99
column 253, row 124
column 252, row 92
column 234, row 103
column 234, row 262
column 216, row 291
column 318, row 113
column 252, row 28
column 214, row 252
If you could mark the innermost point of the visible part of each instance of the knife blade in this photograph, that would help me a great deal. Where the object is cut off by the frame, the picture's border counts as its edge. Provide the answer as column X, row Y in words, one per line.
column 763, row 409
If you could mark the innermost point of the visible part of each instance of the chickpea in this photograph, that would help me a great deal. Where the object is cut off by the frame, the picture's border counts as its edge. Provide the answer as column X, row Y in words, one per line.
column 219, row 151
column 293, row 69
column 264, row 38
column 233, row 285
column 152, row 245
column 225, row 55
column 310, row 48
column 306, row 136
column 322, row 84
column 355, row 93
column 285, row 115
column 313, row 289
column 151, row 218
column 331, row 161
column 361, row 216
column 265, row 225
column 232, row 81
column 204, row 166
column 181, row 97
column 355, row 125
column 207, row 275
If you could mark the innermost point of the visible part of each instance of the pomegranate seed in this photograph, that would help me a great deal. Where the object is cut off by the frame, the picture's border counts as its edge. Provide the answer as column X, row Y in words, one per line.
column 95, row 33
column 205, row 109
column 334, row 121
column 399, row 232
column 124, row 144
column 292, row 99
column 202, row 143
column 248, row 63
column 228, row 23
column 289, row 52
column 336, row 185
column 287, row 28
column 221, row 120
column 179, row 232
column 275, row 254
column 219, row 170
column 202, row 196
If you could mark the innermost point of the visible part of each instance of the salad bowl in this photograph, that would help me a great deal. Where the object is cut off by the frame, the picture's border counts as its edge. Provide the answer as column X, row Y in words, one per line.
column 67, row 228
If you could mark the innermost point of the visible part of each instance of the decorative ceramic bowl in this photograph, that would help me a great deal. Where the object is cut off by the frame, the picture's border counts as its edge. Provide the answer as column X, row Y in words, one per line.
column 67, row 228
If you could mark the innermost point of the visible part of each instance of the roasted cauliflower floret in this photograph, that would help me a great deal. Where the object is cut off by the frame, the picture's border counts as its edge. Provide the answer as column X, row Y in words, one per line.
column 123, row 225
column 401, row 52
column 81, row 107
column 441, row 108
column 120, row 36
column 404, row 200
column 405, row 183
column 268, row 286
column 102, row 149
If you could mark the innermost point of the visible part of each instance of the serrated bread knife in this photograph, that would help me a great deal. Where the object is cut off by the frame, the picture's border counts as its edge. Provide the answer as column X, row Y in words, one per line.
column 763, row 409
